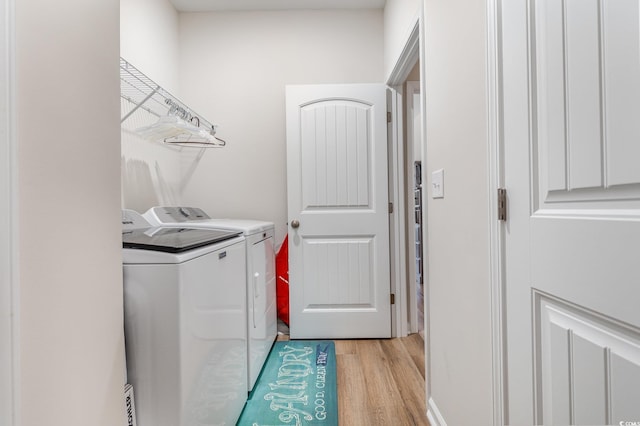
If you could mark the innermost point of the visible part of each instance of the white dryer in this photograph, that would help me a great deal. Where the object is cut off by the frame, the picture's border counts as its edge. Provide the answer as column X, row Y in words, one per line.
column 185, row 323
column 260, row 274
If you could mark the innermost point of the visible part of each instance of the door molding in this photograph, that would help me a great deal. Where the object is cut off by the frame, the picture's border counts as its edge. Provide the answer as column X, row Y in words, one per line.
column 397, row 236
column 9, row 395
column 425, row 215
column 408, row 57
column 412, row 88
column 412, row 52
column 496, row 228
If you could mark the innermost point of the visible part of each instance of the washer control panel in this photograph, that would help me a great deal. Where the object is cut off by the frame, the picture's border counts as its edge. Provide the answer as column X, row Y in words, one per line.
column 179, row 214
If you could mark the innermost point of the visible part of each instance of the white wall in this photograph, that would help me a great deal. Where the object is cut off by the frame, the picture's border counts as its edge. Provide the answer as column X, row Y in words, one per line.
column 400, row 17
column 235, row 66
column 151, row 172
column 458, row 231
column 70, row 269
column 149, row 39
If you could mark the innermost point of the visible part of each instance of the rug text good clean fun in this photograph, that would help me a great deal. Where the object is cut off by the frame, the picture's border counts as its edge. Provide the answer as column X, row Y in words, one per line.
column 297, row 386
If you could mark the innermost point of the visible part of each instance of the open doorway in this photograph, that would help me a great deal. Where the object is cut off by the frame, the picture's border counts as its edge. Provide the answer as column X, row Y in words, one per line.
column 408, row 225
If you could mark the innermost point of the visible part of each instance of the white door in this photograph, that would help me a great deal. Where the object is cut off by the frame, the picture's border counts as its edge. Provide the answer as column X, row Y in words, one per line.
column 571, row 140
column 338, row 211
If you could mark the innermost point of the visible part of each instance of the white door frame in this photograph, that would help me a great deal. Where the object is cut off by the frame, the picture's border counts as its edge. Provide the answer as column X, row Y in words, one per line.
column 397, row 255
column 496, row 228
column 411, row 53
column 397, row 235
column 412, row 89
column 9, row 378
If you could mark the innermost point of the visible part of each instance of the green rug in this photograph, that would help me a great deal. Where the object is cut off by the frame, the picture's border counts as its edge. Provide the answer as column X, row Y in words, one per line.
column 297, row 386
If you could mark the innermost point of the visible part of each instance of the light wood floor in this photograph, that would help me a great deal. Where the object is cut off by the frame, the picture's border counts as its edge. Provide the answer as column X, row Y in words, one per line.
column 381, row 382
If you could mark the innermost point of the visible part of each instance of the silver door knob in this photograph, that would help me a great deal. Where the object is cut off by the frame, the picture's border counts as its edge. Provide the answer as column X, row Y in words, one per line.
column 295, row 224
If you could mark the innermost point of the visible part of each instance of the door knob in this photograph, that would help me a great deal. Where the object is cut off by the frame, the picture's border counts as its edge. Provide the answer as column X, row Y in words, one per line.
column 295, row 224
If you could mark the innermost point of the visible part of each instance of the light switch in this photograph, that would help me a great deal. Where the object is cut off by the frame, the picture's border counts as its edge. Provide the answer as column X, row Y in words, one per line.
column 437, row 184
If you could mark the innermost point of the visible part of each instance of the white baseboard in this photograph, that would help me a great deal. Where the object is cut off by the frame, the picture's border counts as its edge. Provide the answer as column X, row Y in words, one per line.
column 434, row 415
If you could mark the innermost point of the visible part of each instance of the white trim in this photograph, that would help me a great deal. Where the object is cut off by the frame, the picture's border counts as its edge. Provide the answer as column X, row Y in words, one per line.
column 396, row 223
column 9, row 355
column 412, row 88
column 425, row 215
column 397, row 235
column 408, row 57
column 496, row 229
column 434, row 415
column 393, row 234
column 406, row 61
column 412, row 52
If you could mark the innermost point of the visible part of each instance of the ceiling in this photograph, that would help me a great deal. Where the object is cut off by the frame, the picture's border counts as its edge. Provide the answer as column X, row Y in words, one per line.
column 218, row 5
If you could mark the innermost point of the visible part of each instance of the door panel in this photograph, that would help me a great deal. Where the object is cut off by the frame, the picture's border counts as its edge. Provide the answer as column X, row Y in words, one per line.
column 625, row 393
column 337, row 191
column 589, row 364
column 588, row 96
column 336, row 154
column 571, row 102
column 621, row 45
column 338, row 273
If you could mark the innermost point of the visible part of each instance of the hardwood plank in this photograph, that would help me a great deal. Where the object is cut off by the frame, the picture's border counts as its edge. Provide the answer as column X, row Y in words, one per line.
column 352, row 401
column 385, row 401
column 345, row 347
column 415, row 346
column 408, row 380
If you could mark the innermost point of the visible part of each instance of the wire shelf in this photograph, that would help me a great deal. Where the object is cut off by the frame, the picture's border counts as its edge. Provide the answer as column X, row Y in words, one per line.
column 167, row 118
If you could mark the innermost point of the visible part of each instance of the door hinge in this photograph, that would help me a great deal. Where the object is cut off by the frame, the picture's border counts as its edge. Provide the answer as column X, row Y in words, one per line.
column 392, row 299
column 502, row 204
column 388, row 116
column 390, row 208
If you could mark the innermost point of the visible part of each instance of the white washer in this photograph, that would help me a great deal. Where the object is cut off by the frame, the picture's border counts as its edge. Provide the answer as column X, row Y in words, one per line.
column 185, row 323
column 261, row 275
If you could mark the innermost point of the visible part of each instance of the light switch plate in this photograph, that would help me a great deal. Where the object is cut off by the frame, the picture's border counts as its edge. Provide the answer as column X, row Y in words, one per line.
column 437, row 184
